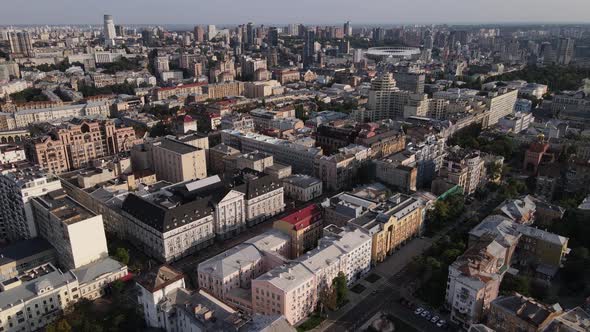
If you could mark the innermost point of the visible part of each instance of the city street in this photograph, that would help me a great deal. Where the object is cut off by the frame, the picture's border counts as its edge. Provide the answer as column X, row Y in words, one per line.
column 384, row 295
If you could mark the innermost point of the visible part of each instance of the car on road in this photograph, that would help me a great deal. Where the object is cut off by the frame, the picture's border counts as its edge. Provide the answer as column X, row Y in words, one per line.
column 424, row 313
column 435, row 319
column 441, row 323
column 418, row 311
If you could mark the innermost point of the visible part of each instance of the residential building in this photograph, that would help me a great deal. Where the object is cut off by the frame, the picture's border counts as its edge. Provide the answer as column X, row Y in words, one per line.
column 391, row 224
column 169, row 306
column 520, row 210
column 517, row 122
column 175, row 161
column 222, row 90
column 300, row 157
column 66, row 224
column 304, row 227
column 474, row 279
column 518, row 313
column 303, row 188
column 17, row 187
column 464, row 168
column 11, row 153
column 398, row 170
column 344, row 206
column 25, row 255
column 541, row 251
column 77, row 143
column 342, row 170
column 32, row 301
column 225, row 274
column 293, row 289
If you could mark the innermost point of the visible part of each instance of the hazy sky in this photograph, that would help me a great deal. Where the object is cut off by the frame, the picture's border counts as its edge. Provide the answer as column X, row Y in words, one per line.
column 300, row 11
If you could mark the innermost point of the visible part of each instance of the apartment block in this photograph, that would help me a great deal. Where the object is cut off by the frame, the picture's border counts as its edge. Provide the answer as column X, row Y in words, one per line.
column 304, row 227
column 66, row 224
column 18, row 185
column 175, row 161
column 300, row 157
column 340, row 171
column 302, row 188
column 293, row 289
column 77, row 143
column 474, row 278
column 391, row 224
column 518, row 313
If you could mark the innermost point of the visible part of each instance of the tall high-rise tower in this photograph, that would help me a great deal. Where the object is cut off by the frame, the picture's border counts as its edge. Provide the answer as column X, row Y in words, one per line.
column 109, row 30
column 309, row 48
column 20, row 43
column 347, row 29
column 565, row 51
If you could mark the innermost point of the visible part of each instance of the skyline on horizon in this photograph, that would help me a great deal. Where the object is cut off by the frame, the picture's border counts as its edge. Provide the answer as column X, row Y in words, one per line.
column 181, row 12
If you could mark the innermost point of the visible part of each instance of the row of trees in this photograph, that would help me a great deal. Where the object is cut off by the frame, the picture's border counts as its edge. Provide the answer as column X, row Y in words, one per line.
column 558, row 78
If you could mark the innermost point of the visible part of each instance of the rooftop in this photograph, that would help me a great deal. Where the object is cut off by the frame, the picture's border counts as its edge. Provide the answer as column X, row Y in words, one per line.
column 159, row 278
column 64, row 207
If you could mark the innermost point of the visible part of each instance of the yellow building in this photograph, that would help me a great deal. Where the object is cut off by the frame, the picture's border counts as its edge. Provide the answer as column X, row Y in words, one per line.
column 304, row 227
column 392, row 224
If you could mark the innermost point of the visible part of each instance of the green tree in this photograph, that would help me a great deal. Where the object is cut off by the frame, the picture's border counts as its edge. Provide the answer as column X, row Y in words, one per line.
column 519, row 284
column 60, row 326
column 341, row 288
column 122, row 255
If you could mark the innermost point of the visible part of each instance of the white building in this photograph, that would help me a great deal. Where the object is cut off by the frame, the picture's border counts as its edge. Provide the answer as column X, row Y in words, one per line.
column 303, row 188
column 517, row 122
column 168, row 305
column 17, row 187
column 75, row 232
column 300, row 157
column 38, row 297
column 167, row 228
column 11, row 153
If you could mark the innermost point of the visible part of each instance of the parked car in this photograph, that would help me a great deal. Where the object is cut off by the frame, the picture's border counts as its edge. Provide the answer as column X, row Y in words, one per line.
column 424, row 313
column 418, row 311
column 428, row 317
column 435, row 319
column 441, row 323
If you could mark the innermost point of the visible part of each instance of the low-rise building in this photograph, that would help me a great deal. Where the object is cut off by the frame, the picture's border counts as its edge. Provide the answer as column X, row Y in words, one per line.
column 302, row 188
column 518, row 313
column 474, row 279
column 304, row 227
column 170, row 224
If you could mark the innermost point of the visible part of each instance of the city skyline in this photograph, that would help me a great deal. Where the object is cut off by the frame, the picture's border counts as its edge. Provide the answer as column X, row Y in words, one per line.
column 306, row 11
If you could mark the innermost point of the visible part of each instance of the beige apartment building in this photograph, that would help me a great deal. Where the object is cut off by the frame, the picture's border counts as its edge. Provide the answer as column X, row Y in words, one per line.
column 391, row 224
column 77, row 143
column 221, row 90
column 174, row 161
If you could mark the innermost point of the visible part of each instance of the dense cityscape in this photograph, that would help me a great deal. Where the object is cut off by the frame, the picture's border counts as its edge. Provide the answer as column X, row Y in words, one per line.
column 294, row 177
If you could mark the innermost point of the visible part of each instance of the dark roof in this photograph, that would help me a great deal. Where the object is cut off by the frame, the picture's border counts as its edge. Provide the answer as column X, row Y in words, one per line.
column 23, row 249
column 176, row 146
column 162, row 218
column 253, row 183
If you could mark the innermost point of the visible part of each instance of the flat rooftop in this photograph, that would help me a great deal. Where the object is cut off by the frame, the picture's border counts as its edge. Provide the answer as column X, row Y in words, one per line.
column 64, row 207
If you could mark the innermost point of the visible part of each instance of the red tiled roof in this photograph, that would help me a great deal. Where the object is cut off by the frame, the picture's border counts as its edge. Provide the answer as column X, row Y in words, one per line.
column 304, row 217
